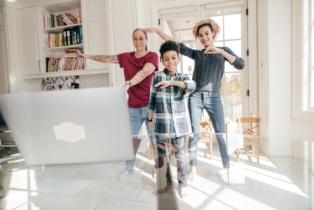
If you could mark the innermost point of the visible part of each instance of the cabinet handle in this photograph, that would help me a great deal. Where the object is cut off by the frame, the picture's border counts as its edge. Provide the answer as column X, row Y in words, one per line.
column 39, row 65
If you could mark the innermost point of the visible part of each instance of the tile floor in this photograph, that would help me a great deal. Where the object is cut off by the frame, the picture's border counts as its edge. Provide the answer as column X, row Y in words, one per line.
column 276, row 183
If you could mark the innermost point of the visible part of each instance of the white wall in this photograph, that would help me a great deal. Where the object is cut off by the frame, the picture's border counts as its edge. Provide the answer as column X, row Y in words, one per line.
column 275, row 66
column 280, row 71
column 275, row 80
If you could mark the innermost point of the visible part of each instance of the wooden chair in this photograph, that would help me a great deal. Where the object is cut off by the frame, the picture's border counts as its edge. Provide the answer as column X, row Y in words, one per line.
column 206, row 130
column 249, row 128
column 206, row 133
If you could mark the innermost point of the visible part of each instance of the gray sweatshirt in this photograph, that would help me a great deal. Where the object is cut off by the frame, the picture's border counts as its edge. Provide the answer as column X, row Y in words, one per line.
column 209, row 68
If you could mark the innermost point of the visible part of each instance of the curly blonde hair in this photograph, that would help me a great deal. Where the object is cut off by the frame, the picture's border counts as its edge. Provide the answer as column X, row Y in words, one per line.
column 207, row 22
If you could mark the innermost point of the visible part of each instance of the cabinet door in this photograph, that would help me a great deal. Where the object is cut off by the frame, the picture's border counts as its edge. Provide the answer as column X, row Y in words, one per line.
column 29, row 41
column 95, row 29
column 4, row 85
column 122, row 22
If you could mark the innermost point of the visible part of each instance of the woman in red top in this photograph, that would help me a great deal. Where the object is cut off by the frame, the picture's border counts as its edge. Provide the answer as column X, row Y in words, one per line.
column 138, row 67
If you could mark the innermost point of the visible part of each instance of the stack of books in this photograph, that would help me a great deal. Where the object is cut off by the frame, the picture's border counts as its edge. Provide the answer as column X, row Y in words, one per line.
column 70, row 61
column 69, row 36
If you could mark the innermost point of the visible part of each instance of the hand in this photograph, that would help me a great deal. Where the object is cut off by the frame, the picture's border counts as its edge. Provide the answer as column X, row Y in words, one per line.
column 212, row 50
column 151, row 125
column 80, row 54
column 163, row 84
column 126, row 87
column 149, row 30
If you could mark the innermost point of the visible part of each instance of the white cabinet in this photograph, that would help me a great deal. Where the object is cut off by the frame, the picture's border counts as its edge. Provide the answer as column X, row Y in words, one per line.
column 29, row 41
column 35, row 35
column 4, row 84
column 95, row 31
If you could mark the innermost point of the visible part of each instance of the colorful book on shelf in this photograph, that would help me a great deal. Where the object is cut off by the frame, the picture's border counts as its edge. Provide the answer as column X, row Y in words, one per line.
column 71, row 17
column 69, row 53
column 61, row 64
column 79, row 15
column 60, row 21
column 81, row 34
column 66, row 37
column 76, row 35
column 67, row 20
column 52, row 64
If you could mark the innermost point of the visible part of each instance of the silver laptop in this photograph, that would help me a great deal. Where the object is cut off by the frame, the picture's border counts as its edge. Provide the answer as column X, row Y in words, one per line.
column 70, row 126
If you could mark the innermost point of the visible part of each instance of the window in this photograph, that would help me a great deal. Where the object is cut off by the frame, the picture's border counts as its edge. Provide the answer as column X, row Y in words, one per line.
column 303, row 54
column 311, row 62
column 230, row 19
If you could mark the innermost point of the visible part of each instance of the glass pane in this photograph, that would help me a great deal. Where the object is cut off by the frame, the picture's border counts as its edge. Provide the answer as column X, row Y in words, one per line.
column 231, row 92
column 219, row 21
column 188, row 63
column 219, row 44
column 235, row 46
column 232, row 26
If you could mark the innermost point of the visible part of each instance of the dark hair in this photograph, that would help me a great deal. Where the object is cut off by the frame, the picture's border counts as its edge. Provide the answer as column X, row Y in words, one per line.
column 144, row 34
column 168, row 46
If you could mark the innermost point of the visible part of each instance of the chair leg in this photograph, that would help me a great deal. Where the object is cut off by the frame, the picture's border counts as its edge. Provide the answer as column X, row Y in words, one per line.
column 238, row 154
column 257, row 152
column 211, row 147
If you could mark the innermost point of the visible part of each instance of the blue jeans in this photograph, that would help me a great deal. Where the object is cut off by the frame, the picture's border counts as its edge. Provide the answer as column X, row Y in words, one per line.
column 137, row 117
column 211, row 102
column 179, row 152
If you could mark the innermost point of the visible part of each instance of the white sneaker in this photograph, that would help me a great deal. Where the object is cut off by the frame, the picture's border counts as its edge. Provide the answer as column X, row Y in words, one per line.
column 224, row 175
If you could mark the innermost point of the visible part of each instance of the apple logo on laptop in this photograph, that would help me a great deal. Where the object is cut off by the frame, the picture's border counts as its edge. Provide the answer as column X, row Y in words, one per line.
column 69, row 132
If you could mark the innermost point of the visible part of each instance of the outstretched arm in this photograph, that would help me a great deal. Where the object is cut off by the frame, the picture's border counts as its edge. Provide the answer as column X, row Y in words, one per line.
column 139, row 76
column 100, row 58
column 162, row 34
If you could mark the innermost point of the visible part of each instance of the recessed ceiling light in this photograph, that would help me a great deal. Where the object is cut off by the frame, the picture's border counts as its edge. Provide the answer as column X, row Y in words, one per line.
column 11, row 0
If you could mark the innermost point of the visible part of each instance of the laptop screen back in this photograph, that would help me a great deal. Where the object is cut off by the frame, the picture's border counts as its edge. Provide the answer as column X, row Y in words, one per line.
column 70, row 126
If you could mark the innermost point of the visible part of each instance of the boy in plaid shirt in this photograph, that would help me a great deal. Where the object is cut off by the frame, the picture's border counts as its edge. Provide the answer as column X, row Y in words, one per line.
column 168, row 107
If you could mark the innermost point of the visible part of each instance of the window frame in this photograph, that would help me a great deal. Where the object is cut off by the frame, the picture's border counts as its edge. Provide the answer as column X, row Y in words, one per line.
column 302, row 53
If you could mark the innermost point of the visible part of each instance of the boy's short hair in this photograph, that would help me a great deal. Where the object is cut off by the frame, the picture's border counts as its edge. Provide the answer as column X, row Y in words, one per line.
column 168, row 46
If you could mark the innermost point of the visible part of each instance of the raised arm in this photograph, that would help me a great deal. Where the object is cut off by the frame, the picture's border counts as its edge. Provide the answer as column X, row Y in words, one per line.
column 100, row 58
column 139, row 76
column 215, row 50
column 162, row 34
